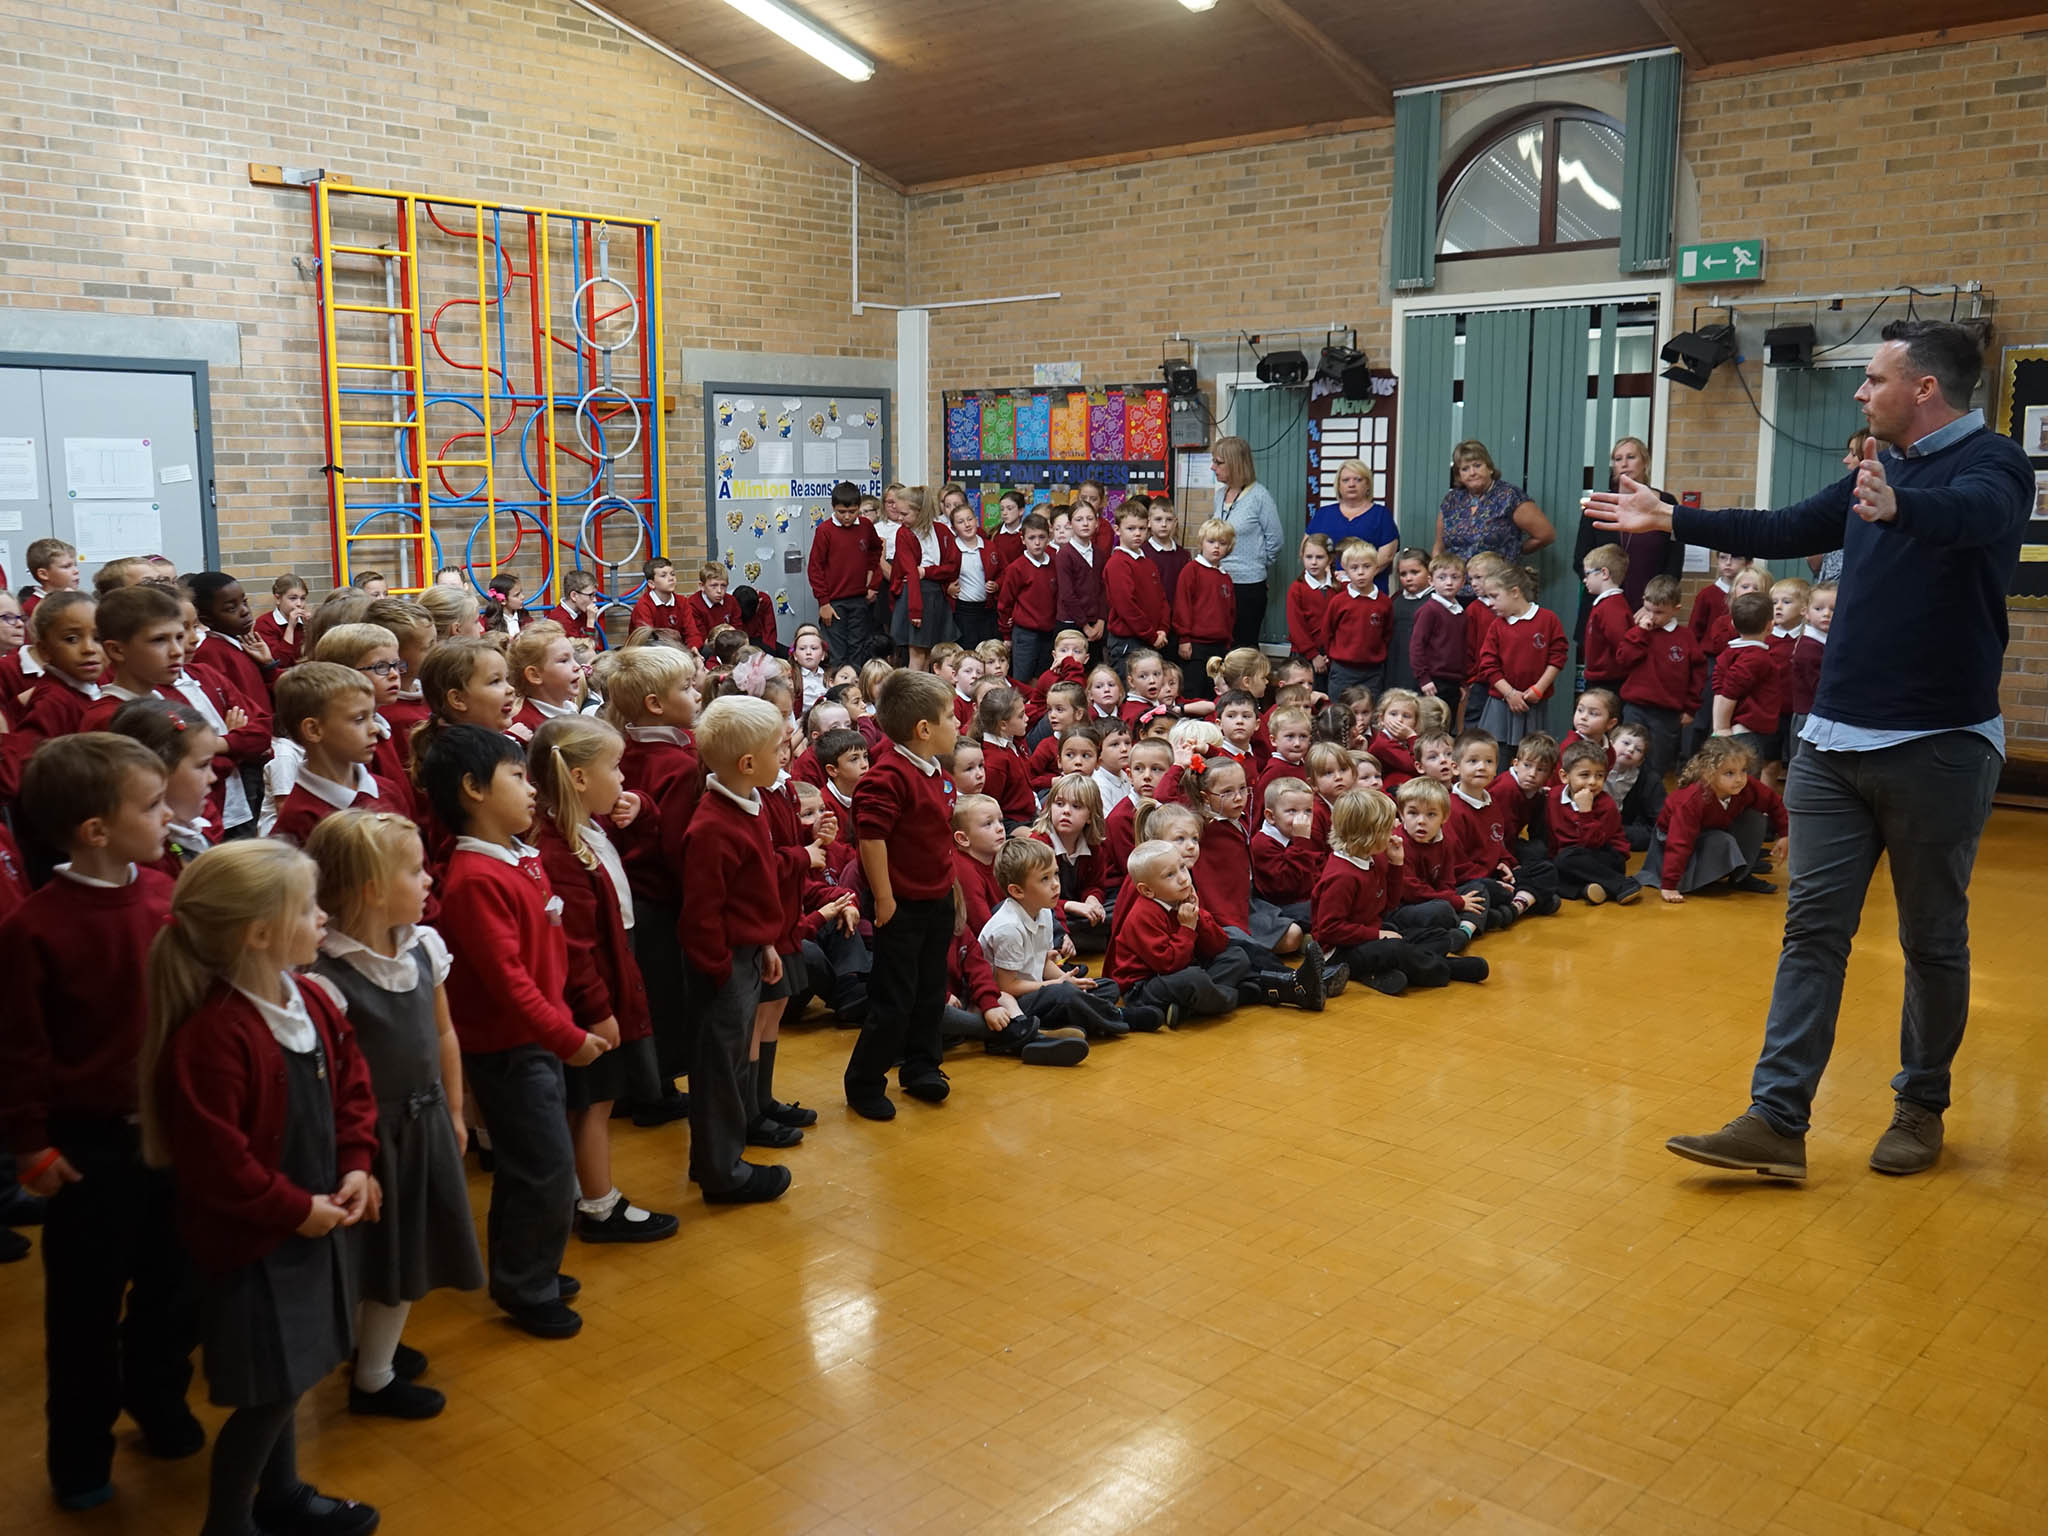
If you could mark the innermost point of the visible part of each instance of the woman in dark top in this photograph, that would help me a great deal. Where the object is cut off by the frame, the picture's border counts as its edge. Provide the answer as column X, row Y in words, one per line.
column 1355, row 515
column 1481, row 511
column 1649, row 554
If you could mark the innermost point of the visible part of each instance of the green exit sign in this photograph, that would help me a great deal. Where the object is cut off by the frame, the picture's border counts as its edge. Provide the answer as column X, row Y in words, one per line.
column 1722, row 261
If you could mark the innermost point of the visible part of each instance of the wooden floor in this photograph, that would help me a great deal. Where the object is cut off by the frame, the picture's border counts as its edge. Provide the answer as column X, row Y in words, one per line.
column 1407, row 1266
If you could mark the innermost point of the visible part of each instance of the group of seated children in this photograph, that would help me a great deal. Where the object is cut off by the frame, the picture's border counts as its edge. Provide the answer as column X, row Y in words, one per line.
column 306, row 901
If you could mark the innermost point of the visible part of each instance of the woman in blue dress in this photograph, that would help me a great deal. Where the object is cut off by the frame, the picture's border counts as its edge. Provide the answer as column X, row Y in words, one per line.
column 1355, row 515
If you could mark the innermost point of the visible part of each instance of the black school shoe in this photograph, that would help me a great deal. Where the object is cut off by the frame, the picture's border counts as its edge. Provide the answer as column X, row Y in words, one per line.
column 1062, row 1050
column 666, row 1110
column 620, row 1227
column 931, row 1087
column 547, row 1320
column 172, row 1437
column 1143, row 1019
column 876, row 1107
column 764, row 1132
column 310, row 1512
column 22, row 1208
column 1392, row 983
column 1467, row 968
column 764, row 1182
column 791, row 1114
column 13, row 1246
column 1752, row 883
column 397, row 1399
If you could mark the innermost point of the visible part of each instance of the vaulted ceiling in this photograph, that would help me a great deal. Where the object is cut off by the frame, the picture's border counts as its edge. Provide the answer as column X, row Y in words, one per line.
column 968, row 87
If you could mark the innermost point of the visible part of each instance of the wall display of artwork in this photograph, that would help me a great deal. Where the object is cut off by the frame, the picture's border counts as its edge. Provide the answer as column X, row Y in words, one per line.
column 2022, row 415
column 1047, row 441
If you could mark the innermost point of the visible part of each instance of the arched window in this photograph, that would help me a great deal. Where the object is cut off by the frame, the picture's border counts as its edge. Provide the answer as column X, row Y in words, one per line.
column 1543, row 180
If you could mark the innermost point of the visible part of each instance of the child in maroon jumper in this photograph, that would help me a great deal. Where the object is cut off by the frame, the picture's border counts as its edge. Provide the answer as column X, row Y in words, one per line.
column 1436, row 645
column 1595, row 714
column 1666, row 671
column 186, row 746
column 902, row 822
column 1712, row 829
column 1216, row 790
column 1065, row 706
column 800, row 859
column 1521, row 658
column 1080, row 597
column 260, row 1103
column 1606, row 569
column 1591, row 850
column 977, row 836
column 1137, row 608
column 1522, row 790
column 543, row 668
column 73, row 953
column 1356, row 623
column 1712, row 602
column 1355, row 891
column 1071, row 824
column 709, row 607
column 576, row 611
column 1393, row 742
column 1429, row 900
column 1069, row 665
column 845, row 552
column 1169, row 954
column 282, row 628
column 1205, row 608
column 372, row 650
column 1001, row 726
column 326, row 710
column 1806, row 659
column 1025, row 599
column 657, row 608
column 1308, row 603
column 231, row 649
column 650, row 695
column 844, row 756
column 1482, row 850
column 1747, row 694
column 67, row 645
column 574, row 766
column 506, row 995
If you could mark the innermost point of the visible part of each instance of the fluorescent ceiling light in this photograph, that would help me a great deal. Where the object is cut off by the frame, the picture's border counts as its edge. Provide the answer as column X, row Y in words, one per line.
column 798, row 30
column 1199, row 5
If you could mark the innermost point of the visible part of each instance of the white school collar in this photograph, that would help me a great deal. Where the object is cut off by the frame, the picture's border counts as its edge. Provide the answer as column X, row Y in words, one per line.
column 1368, row 590
column 1316, row 586
column 515, row 855
column 924, row 765
column 290, row 1026
column 1518, row 618
column 838, row 794
column 1746, row 641
column 1477, row 805
column 1078, row 851
column 1354, row 861
column 1085, row 551
column 94, row 881
column 1669, row 625
column 393, row 972
column 340, row 796
column 1269, row 830
column 1205, row 564
column 1135, row 554
column 750, row 802
column 1449, row 602
column 1034, row 560
column 1785, row 634
column 554, row 711
column 1818, row 636
column 1164, row 549
column 1610, row 592
column 666, row 733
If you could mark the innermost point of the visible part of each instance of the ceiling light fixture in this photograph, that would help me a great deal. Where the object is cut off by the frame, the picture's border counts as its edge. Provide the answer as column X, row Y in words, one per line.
column 1199, row 5
column 799, row 31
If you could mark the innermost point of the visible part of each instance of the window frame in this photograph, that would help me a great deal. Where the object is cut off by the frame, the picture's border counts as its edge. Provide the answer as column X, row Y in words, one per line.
column 1549, row 116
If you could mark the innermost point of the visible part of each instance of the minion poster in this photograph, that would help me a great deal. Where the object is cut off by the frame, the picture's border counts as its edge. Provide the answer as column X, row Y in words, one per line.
column 772, row 457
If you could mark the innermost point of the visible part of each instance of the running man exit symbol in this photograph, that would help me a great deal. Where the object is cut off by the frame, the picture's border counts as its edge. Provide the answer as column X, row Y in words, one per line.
column 1722, row 261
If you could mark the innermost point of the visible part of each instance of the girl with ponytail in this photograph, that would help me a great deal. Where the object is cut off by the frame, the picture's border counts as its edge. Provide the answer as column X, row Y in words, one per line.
column 257, row 1099
column 581, row 800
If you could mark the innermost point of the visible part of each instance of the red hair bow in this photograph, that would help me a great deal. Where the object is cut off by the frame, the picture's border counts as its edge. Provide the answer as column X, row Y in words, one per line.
column 1195, row 763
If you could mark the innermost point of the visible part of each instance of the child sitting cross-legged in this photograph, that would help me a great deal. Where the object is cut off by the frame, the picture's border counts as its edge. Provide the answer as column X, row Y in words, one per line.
column 1638, row 792
column 1285, row 857
column 1711, row 831
column 1071, row 825
column 1588, row 846
column 1479, row 829
column 1393, row 743
column 978, row 1012
column 1168, row 953
column 1018, row 941
column 1430, row 901
column 1355, row 891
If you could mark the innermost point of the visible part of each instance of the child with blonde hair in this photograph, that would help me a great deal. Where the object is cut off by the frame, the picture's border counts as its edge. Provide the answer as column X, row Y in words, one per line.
column 542, row 665
column 1070, row 823
column 256, row 1097
column 580, row 791
column 1355, row 891
column 1205, row 607
column 389, row 971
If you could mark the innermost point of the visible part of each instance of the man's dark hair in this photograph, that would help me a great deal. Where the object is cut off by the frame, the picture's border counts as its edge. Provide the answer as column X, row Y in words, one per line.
column 462, row 754
column 1942, row 349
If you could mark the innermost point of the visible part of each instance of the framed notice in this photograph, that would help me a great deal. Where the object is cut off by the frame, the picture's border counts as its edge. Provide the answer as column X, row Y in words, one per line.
column 772, row 457
column 2022, row 415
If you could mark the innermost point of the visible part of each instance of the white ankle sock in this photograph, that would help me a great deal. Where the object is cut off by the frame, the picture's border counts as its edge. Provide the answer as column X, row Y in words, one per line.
column 377, row 1329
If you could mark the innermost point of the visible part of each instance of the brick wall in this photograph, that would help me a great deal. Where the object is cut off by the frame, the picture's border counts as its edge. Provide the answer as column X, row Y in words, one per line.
column 124, row 145
column 1294, row 232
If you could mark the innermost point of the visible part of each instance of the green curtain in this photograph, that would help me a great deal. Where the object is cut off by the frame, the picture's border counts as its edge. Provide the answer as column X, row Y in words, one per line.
column 1497, row 387
column 1275, row 423
column 1815, row 412
column 1418, row 146
column 1429, row 358
column 1557, row 442
column 1649, row 163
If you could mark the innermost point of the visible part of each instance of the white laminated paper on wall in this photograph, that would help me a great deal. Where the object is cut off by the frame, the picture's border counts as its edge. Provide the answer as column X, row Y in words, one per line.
column 820, row 460
column 1697, row 562
column 18, row 479
column 853, row 456
column 108, row 469
column 176, row 474
column 108, row 530
column 776, row 460
column 10, row 521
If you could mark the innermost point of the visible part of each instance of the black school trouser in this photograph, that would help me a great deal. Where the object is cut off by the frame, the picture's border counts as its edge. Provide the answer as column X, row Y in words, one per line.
column 1065, row 1006
column 522, row 1098
column 1202, row 990
column 850, row 633
column 1579, row 867
column 1030, row 654
column 974, row 623
column 720, row 1100
column 108, row 1239
column 1379, row 956
column 906, row 999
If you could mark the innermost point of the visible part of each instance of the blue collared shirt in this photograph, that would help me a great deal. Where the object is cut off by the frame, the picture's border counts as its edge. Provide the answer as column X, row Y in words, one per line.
column 1831, row 736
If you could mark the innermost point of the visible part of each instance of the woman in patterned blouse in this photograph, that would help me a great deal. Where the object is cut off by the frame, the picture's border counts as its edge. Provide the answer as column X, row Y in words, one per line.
column 1484, row 512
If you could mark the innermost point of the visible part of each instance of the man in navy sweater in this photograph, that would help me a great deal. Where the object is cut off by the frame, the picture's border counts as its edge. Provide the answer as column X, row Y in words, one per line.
column 1905, row 733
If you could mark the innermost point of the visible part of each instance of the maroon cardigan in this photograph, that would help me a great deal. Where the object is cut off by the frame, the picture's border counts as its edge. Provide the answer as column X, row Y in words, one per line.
column 220, row 1084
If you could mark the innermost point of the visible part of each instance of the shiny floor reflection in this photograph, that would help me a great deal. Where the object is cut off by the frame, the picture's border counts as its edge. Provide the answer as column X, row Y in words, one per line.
column 1416, row 1266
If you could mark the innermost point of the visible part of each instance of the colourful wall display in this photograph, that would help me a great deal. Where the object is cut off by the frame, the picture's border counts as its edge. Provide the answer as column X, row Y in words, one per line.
column 1047, row 441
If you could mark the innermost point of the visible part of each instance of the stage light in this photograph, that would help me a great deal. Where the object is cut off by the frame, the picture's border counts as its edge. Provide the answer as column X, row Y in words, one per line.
column 1181, row 381
column 1694, row 355
column 799, row 31
column 1346, row 367
column 1283, row 368
column 1789, row 346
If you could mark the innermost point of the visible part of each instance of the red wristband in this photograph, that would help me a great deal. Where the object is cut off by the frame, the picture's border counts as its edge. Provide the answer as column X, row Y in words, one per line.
column 42, row 1165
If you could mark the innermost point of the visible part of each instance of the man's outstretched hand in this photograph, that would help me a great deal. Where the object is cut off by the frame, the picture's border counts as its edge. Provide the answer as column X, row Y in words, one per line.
column 1632, row 509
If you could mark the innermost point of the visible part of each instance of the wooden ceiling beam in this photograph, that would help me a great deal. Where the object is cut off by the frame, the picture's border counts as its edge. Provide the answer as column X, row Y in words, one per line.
column 1367, row 86
column 1660, row 14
